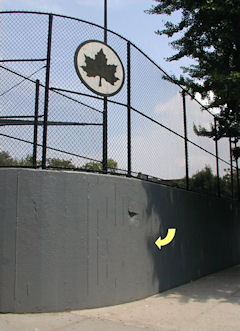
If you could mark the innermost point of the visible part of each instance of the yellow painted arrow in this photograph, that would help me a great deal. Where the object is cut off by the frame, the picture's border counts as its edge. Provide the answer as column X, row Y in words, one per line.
column 163, row 242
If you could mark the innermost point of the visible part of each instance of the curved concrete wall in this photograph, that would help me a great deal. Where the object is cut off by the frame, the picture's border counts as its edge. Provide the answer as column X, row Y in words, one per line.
column 72, row 240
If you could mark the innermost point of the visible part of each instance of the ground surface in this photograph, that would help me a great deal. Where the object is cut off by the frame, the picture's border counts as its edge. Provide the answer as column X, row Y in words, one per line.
column 211, row 303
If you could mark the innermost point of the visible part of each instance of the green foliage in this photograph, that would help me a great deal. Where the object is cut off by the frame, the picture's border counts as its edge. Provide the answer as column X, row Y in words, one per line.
column 27, row 162
column 60, row 163
column 226, row 186
column 112, row 165
column 209, row 31
column 94, row 166
column 6, row 159
column 203, row 181
column 97, row 166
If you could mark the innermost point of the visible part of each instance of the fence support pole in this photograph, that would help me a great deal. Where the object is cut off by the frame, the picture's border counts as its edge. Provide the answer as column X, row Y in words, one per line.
column 217, row 159
column 129, row 109
column 46, row 100
column 237, row 173
column 35, row 133
column 105, row 136
column 105, row 21
column 185, row 139
column 231, row 167
column 105, row 107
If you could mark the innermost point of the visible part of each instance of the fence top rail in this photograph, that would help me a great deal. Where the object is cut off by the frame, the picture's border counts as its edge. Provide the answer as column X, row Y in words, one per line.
column 118, row 35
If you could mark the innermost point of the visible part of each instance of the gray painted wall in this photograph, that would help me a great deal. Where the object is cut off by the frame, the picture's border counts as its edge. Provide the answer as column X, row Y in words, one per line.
column 73, row 240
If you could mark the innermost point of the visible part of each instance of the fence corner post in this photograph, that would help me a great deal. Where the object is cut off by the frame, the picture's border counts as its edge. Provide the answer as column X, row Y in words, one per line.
column 217, row 159
column 46, row 99
column 129, row 172
column 35, row 131
column 185, row 138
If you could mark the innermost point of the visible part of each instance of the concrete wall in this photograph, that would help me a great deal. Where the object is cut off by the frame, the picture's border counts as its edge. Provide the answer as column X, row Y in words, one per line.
column 71, row 240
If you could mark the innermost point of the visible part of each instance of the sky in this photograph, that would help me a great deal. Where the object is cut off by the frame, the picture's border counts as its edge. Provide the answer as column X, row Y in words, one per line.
column 155, row 151
column 126, row 17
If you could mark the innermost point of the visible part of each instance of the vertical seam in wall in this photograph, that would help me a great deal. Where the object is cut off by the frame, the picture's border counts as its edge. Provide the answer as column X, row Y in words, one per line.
column 123, row 210
column 16, row 235
column 97, row 247
column 152, row 222
column 115, row 203
column 88, row 240
column 106, row 207
column 107, row 254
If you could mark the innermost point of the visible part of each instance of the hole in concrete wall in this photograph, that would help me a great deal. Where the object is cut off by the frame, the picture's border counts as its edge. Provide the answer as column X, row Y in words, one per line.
column 132, row 213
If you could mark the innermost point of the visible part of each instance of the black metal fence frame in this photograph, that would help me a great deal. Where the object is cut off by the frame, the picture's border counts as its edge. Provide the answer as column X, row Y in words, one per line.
column 24, row 120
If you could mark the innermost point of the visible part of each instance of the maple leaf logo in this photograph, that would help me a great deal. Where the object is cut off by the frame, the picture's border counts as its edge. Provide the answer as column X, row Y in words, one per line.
column 99, row 67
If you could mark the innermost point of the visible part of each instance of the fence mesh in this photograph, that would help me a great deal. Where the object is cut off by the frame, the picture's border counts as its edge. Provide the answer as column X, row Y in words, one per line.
column 145, row 120
column 17, row 104
column 79, row 131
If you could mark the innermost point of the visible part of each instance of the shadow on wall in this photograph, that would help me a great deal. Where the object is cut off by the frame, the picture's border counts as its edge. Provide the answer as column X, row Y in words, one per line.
column 206, row 240
column 223, row 285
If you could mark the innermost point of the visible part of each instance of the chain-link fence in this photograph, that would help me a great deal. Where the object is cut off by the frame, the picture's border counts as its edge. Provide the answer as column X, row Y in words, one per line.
column 49, row 119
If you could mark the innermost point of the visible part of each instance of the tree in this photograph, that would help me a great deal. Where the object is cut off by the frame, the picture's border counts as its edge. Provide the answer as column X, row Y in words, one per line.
column 203, row 181
column 94, row 166
column 226, row 183
column 112, row 165
column 97, row 166
column 6, row 159
column 210, row 36
column 27, row 161
column 60, row 163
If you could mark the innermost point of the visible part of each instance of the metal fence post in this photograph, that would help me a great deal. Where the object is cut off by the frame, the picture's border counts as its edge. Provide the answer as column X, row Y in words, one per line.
column 129, row 108
column 105, row 107
column 105, row 21
column 231, row 167
column 105, row 136
column 237, row 173
column 35, row 132
column 185, row 139
column 217, row 159
column 46, row 100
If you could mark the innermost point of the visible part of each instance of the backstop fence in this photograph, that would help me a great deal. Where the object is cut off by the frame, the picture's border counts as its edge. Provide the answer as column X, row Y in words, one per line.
column 49, row 119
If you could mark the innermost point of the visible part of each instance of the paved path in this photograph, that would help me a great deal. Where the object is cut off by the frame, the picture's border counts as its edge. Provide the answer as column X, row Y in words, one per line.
column 211, row 303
